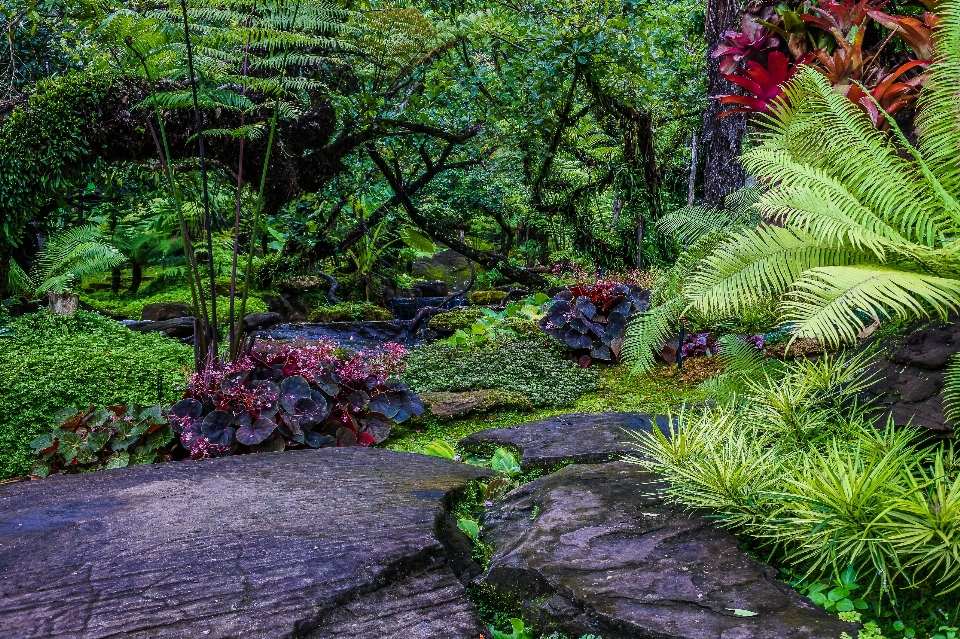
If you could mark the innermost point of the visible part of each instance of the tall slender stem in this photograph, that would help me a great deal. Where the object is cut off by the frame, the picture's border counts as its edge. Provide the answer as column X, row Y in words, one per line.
column 212, row 320
column 248, row 270
column 234, row 343
column 196, row 286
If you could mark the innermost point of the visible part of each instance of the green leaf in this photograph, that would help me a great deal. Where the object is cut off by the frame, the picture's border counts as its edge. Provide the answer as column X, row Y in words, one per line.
column 470, row 528
column 118, row 460
column 743, row 613
column 505, row 462
column 845, row 605
column 837, row 594
column 440, row 448
column 43, row 442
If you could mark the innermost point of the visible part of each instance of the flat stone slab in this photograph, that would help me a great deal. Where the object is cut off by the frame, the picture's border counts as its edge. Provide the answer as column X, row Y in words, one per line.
column 336, row 542
column 585, row 438
column 594, row 550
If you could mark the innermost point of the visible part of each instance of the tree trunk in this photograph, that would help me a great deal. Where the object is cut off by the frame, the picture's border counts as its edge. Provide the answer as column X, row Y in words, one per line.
column 115, row 274
column 722, row 171
column 6, row 254
column 136, row 277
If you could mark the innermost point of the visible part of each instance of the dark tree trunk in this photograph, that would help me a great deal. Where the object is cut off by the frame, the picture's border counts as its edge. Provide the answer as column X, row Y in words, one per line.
column 136, row 277
column 720, row 143
column 6, row 253
column 115, row 275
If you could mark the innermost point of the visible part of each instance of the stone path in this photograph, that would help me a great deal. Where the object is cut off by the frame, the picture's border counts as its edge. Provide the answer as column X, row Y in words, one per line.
column 311, row 544
column 593, row 550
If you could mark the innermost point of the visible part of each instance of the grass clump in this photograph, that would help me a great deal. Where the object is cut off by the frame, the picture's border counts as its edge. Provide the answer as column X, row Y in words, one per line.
column 50, row 361
column 130, row 305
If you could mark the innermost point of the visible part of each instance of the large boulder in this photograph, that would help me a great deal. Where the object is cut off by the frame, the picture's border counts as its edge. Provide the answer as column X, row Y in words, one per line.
column 161, row 311
column 337, row 542
column 252, row 321
column 181, row 327
column 595, row 550
column 586, row 438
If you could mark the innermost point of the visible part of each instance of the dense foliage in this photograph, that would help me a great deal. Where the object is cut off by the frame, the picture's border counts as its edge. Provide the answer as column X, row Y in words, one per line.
column 527, row 368
column 51, row 361
column 294, row 395
column 97, row 439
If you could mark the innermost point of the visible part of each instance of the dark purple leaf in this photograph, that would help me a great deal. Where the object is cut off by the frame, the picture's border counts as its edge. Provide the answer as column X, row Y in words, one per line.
column 216, row 428
column 315, row 439
column 585, row 306
column 232, row 383
column 358, row 399
column 292, row 389
column 189, row 408
column 256, row 433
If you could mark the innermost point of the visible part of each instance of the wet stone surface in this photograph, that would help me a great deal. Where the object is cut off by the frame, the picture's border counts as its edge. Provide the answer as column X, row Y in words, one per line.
column 322, row 543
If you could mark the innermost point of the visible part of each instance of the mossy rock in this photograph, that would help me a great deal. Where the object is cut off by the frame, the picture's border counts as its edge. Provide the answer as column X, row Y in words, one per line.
column 350, row 312
column 524, row 327
column 443, row 404
column 459, row 319
column 486, row 298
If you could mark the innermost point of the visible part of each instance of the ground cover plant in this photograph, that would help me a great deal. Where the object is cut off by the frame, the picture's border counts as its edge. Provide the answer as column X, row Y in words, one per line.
column 533, row 370
column 85, row 359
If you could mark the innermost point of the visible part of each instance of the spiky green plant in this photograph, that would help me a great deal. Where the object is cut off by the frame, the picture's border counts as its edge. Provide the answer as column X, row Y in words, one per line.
column 68, row 256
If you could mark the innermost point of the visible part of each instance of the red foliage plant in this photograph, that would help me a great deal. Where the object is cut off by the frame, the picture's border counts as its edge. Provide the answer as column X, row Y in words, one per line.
column 294, row 396
column 773, row 45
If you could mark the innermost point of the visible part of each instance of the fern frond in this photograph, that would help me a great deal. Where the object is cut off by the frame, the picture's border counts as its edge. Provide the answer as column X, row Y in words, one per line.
column 827, row 302
column 752, row 265
column 951, row 390
column 647, row 332
column 938, row 107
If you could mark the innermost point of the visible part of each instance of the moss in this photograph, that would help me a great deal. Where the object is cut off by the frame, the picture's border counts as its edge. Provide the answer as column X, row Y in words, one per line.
column 483, row 298
column 51, row 361
column 350, row 312
column 130, row 305
column 459, row 319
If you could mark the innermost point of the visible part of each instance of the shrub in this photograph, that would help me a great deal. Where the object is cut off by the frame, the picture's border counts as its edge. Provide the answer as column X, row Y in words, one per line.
column 590, row 320
column 350, row 312
column 530, row 369
column 50, row 361
column 485, row 298
column 294, row 396
column 96, row 439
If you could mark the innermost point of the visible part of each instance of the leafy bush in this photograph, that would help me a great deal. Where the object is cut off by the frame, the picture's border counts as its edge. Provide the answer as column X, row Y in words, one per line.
column 528, row 368
column 50, row 361
column 591, row 320
column 293, row 396
column 350, row 312
column 96, row 439
column 796, row 463
column 517, row 321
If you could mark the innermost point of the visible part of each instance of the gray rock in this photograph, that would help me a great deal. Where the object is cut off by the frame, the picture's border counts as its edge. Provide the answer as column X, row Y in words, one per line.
column 259, row 320
column 337, row 542
column 63, row 303
column 586, row 438
column 444, row 404
column 161, row 311
column 592, row 549
column 177, row 327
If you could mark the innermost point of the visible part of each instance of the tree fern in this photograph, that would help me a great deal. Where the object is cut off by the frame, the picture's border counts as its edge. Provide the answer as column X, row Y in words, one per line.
column 69, row 255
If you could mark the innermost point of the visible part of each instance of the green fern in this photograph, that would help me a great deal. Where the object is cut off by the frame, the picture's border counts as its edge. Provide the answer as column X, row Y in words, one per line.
column 69, row 256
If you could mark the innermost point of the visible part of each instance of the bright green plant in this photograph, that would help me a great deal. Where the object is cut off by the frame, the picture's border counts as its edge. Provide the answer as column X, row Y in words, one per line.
column 518, row 631
column 50, row 361
column 794, row 463
column 518, row 320
column 69, row 256
column 98, row 439
column 866, row 222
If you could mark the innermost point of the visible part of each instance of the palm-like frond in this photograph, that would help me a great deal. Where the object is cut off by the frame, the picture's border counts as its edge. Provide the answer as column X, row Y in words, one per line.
column 70, row 255
column 735, row 212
